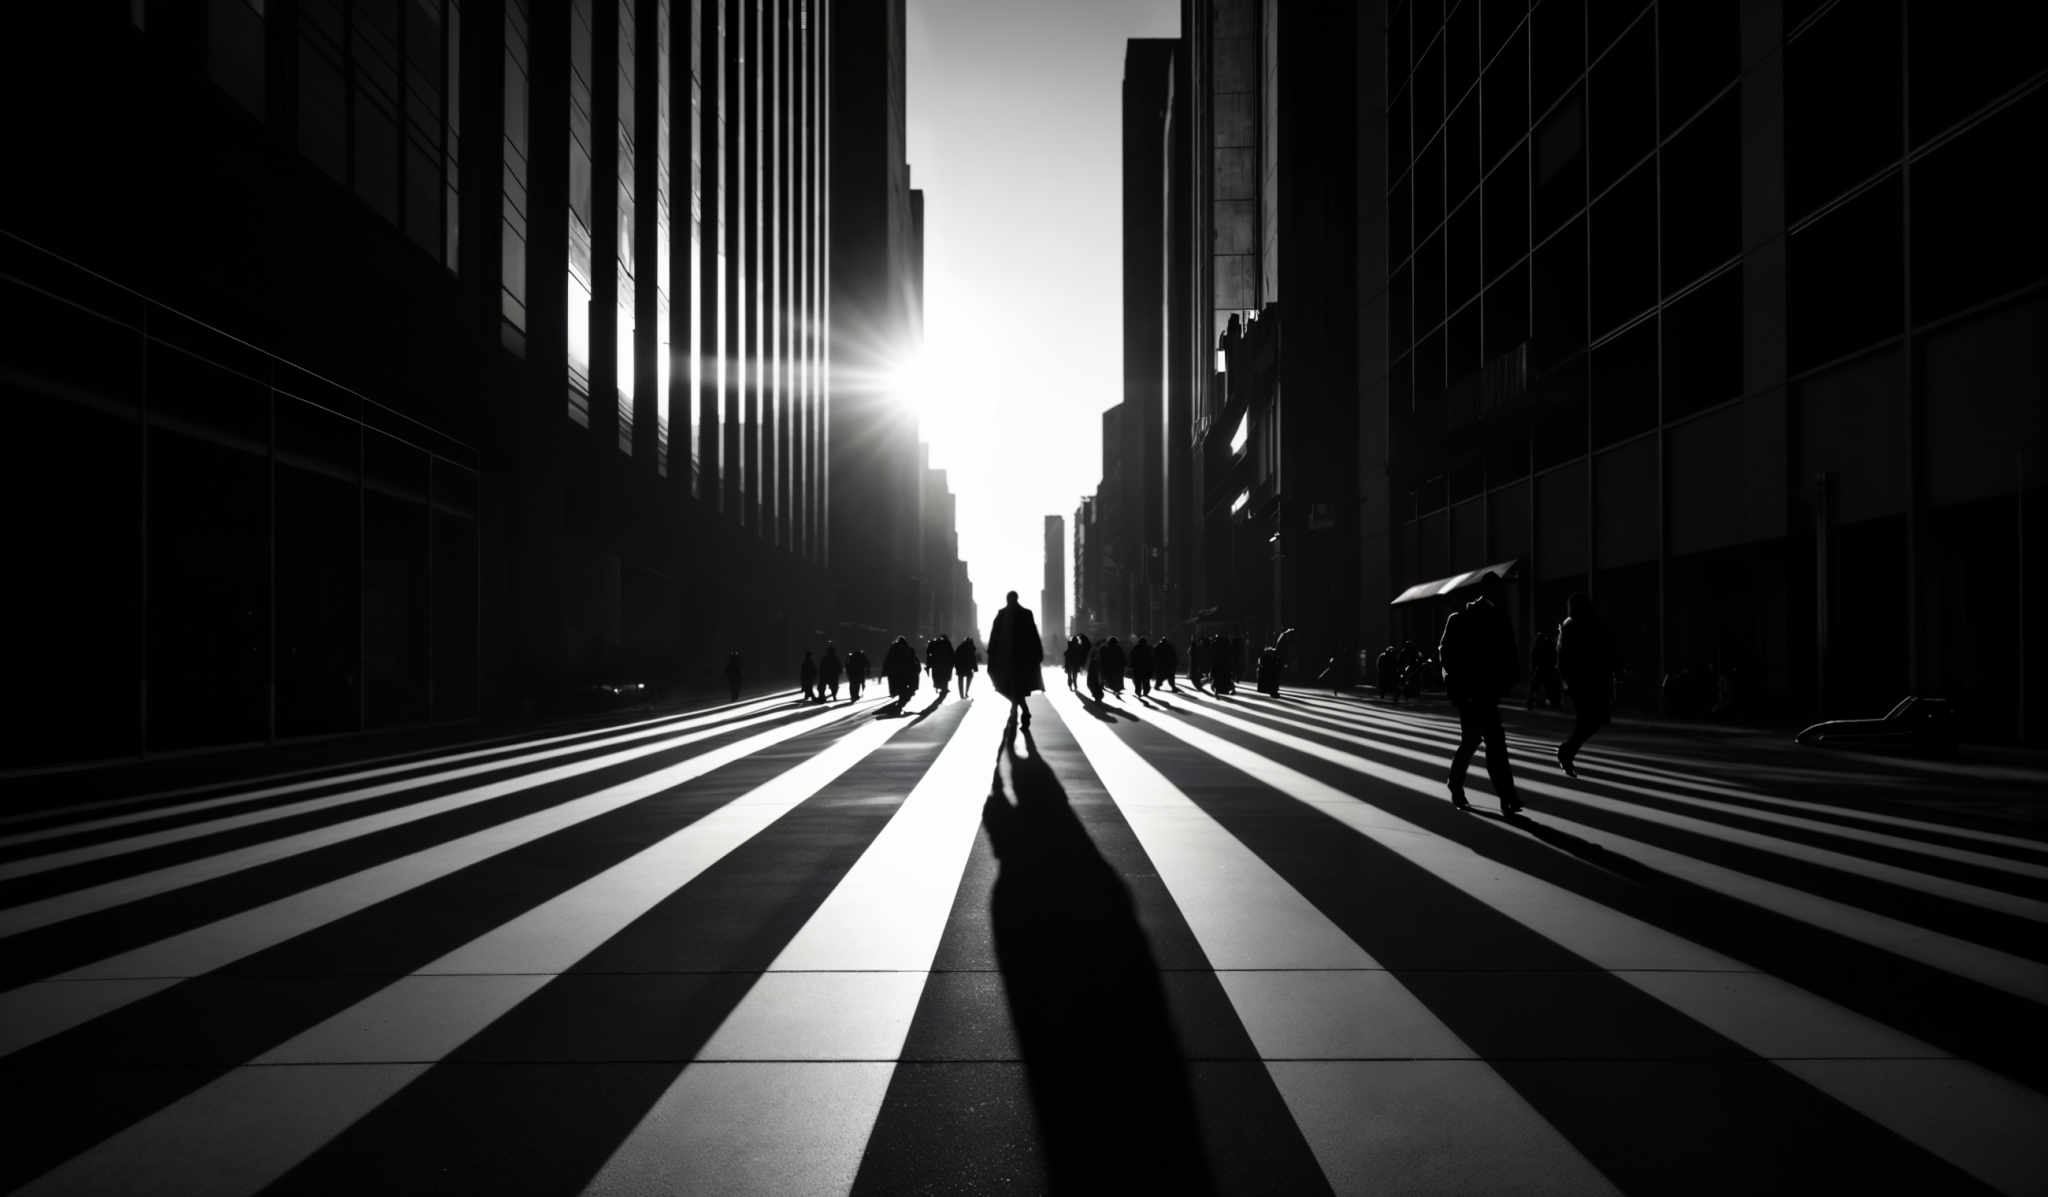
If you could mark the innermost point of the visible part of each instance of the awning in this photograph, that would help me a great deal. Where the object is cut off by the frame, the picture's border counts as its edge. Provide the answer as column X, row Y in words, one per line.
column 1506, row 571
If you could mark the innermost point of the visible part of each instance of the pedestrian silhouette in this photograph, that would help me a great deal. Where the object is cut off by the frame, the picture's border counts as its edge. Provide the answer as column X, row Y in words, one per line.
column 1095, row 672
column 856, row 673
column 1269, row 671
column 1388, row 675
column 807, row 676
column 1016, row 655
column 1480, row 663
column 1076, row 658
column 899, row 668
column 1198, row 661
column 1586, row 660
column 732, row 673
column 828, row 672
column 1164, row 663
column 1113, row 666
column 938, row 661
column 965, row 662
column 1141, row 667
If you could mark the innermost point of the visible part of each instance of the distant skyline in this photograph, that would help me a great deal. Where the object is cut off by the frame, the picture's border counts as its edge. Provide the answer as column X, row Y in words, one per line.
column 1015, row 135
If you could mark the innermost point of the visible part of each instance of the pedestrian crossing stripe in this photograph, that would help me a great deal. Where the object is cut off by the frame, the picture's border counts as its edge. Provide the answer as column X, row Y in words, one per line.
column 784, row 1094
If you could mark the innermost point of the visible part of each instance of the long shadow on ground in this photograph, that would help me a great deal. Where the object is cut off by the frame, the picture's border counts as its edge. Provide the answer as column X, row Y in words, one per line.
column 1104, row 1066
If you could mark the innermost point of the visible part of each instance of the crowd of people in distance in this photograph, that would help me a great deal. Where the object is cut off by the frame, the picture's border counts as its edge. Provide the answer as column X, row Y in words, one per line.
column 1476, row 659
column 951, row 667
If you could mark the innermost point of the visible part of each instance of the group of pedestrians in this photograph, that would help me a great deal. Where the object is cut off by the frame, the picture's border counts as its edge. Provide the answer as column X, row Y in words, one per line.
column 951, row 667
column 1107, row 667
column 947, row 663
column 1479, row 663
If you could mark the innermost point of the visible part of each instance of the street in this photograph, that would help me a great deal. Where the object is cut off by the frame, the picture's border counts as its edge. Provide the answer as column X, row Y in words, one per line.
column 1177, row 944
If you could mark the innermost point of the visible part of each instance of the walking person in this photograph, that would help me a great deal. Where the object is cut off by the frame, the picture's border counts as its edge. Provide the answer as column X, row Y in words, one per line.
column 1016, row 655
column 965, row 662
column 1268, row 675
column 1479, row 663
column 856, row 673
column 1586, row 660
column 807, row 674
column 1163, row 665
column 1141, row 667
column 732, row 673
column 828, row 673
column 1198, row 660
column 938, row 659
column 1075, row 659
column 1094, row 673
column 899, row 669
column 1113, row 666
column 1387, row 679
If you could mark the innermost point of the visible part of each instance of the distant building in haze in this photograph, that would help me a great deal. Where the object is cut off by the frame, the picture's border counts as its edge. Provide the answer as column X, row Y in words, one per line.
column 1052, row 599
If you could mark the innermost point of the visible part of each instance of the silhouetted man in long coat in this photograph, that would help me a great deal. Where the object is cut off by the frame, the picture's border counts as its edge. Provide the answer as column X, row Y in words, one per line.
column 1164, row 663
column 965, row 662
column 807, row 673
column 1479, row 663
column 1141, row 667
column 1113, row 666
column 1015, row 655
column 1076, row 659
column 828, row 672
column 938, row 658
column 899, row 665
column 856, row 673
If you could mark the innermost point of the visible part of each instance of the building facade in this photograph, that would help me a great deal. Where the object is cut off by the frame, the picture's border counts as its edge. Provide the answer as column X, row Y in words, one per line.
column 875, row 321
column 454, row 358
column 1728, row 315
column 1052, row 600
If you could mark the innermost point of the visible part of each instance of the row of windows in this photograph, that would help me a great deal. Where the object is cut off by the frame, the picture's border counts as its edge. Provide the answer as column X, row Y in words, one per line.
column 1972, row 241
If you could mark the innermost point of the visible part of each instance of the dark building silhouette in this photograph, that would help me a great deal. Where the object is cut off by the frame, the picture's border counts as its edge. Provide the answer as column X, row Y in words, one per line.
column 1052, row 600
column 376, row 364
column 1148, row 96
column 1728, row 314
column 875, row 315
column 1259, row 433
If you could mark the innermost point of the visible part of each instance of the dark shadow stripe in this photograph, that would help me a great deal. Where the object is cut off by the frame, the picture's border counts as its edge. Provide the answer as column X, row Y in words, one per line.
column 1988, row 1026
column 964, row 1108
column 1637, row 1086
column 495, row 762
column 57, row 948
column 201, row 1028
column 1871, row 893
column 541, row 1098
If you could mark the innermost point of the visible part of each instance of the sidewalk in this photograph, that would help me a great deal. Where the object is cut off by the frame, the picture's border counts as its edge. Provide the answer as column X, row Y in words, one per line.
column 200, row 769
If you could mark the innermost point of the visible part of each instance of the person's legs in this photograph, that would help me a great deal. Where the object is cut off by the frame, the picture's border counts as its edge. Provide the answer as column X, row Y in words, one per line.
column 1497, row 767
column 1587, row 718
column 1469, row 735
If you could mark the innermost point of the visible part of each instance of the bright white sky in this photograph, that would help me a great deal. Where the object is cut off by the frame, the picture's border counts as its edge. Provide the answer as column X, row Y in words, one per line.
column 1015, row 135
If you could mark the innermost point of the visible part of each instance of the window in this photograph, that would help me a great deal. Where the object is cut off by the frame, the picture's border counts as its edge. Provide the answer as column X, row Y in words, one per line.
column 1622, row 95
column 1243, row 433
column 1560, row 149
column 1237, row 504
column 1703, row 347
column 1702, row 194
column 1842, row 99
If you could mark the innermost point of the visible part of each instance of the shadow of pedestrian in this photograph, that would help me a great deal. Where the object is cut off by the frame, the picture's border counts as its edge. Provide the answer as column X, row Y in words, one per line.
column 1102, row 1060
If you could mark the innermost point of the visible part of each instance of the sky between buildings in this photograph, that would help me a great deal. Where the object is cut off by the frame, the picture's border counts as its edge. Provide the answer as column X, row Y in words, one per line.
column 1015, row 135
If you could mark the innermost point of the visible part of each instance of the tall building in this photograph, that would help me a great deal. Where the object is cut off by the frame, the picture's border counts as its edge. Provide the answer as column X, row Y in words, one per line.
column 1260, row 237
column 1052, row 600
column 1729, row 315
column 394, row 364
column 874, row 314
column 1147, row 160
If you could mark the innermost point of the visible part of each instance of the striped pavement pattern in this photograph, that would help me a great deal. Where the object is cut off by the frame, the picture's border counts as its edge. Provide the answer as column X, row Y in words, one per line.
column 1178, row 944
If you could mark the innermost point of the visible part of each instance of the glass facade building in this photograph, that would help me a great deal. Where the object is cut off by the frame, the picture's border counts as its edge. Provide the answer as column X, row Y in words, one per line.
column 325, row 464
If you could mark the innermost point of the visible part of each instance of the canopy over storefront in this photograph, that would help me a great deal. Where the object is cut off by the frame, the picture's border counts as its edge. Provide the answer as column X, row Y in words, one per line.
column 1506, row 571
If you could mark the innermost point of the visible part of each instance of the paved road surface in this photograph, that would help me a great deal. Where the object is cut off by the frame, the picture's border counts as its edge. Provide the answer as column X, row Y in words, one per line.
column 1192, row 944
